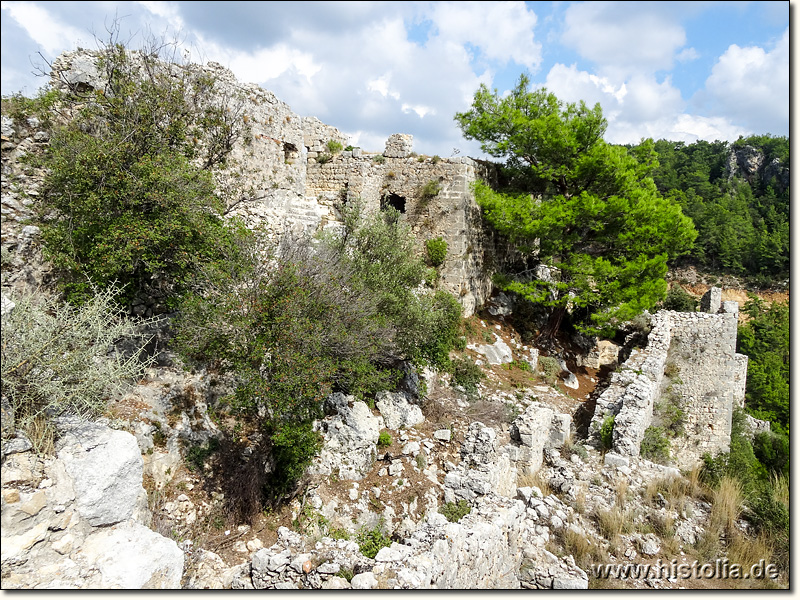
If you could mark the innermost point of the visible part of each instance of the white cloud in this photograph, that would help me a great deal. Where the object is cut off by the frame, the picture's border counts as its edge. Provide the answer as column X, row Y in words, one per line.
column 502, row 31
column 52, row 35
column 623, row 37
column 640, row 107
column 752, row 84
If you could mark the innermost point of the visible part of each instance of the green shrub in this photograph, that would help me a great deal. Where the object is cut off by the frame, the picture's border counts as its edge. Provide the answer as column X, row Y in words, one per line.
column 379, row 158
column 324, row 158
column 549, row 368
column 436, row 249
column 429, row 190
column 655, row 445
column 436, row 158
column 370, row 541
column 334, row 146
column 349, row 148
column 129, row 178
column 455, row 511
column 772, row 451
column 384, row 439
column 197, row 455
column 59, row 359
column 466, row 374
column 679, row 300
column 607, row 433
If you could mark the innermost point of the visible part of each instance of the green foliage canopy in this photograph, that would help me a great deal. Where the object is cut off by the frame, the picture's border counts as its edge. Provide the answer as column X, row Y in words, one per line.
column 579, row 205
column 129, row 177
column 765, row 340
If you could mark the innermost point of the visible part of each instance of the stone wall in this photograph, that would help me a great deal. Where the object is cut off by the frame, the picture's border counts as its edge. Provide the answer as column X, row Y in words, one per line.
column 281, row 175
column 451, row 214
column 690, row 359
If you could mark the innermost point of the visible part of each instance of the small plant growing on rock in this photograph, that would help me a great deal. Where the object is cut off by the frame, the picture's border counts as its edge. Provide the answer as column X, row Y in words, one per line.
column 384, row 439
column 549, row 368
column 334, row 146
column 607, row 433
column 466, row 374
column 655, row 445
column 370, row 541
column 324, row 158
column 429, row 191
column 455, row 511
column 379, row 158
column 436, row 249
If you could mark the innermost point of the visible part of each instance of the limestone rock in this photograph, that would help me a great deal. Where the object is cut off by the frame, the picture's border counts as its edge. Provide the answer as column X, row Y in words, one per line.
column 496, row 354
column 350, row 440
column 105, row 467
column 397, row 411
column 131, row 556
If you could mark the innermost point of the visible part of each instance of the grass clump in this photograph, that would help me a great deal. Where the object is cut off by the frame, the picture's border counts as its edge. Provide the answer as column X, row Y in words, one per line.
column 384, row 439
column 655, row 445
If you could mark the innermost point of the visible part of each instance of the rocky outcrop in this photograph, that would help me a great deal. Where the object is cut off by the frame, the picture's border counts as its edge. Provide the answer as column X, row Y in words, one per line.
column 350, row 438
column 398, row 413
column 751, row 164
column 79, row 520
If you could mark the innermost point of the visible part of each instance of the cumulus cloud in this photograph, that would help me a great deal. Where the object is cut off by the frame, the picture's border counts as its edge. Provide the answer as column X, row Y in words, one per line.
column 638, row 108
column 49, row 33
column 752, row 84
column 622, row 38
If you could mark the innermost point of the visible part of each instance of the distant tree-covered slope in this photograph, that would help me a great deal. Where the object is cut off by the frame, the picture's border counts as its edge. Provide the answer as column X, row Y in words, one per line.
column 738, row 197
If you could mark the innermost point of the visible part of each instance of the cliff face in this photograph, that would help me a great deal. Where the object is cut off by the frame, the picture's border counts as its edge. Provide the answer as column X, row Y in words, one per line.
column 751, row 164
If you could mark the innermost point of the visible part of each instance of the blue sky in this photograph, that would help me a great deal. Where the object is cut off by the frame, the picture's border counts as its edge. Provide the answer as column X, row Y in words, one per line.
column 672, row 70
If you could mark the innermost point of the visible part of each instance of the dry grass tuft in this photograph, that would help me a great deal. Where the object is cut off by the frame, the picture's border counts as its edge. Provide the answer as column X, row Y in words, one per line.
column 621, row 492
column 726, row 506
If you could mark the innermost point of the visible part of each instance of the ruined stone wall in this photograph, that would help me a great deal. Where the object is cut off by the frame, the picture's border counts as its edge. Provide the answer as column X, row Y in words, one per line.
column 281, row 175
column 690, row 360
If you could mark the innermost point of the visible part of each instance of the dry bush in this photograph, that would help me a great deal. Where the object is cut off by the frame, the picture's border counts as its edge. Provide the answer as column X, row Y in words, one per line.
column 673, row 489
column 58, row 359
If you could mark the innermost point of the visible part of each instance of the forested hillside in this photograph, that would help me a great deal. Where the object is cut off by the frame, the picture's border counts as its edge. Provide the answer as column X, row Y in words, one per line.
column 738, row 197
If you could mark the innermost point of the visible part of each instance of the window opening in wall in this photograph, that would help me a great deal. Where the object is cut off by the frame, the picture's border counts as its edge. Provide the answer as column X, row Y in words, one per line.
column 289, row 151
column 395, row 201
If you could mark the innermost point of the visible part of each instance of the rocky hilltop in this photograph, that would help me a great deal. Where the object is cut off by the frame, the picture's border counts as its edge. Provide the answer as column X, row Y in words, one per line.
column 520, row 483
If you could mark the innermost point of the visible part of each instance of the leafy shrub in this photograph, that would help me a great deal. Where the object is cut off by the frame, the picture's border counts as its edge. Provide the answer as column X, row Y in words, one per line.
column 379, row 158
column 607, row 433
column 324, row 158
column 655, row 445
column 549, row 368
column 436, row 158
column 129, row 178
column 59, row 359
column 466, row 374
column 455, row 511
column 679, row 300
column 436, row 250
column 384, row 439
column 197, row 455
column 334, row 146
column 772, row 451
column 370, row 541
column 349, row 148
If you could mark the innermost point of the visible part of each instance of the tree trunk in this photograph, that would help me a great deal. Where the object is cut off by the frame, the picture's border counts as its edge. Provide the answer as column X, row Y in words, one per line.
column 554, row 322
